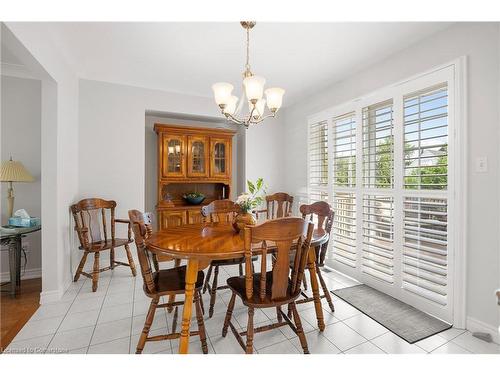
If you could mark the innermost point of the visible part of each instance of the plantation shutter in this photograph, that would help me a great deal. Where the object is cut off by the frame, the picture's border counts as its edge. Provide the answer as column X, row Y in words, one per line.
column 378, row 237
column 425, row 254
column 318, row 161
column 343, row 237
column 344, row 150
column 426, row 139
column 378, row 146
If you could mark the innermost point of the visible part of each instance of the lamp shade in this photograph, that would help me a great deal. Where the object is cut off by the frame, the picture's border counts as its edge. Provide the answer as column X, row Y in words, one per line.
column 274, row 98
column 14, row 171
column 222, row 92
column 254, row 87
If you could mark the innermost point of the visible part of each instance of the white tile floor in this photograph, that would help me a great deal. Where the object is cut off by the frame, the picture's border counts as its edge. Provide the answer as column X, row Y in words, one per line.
column 110, row 321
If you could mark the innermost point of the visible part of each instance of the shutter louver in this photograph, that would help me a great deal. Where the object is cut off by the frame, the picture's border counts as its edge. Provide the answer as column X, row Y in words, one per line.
column 425, row 252
column 426, row 139
column 378, row 237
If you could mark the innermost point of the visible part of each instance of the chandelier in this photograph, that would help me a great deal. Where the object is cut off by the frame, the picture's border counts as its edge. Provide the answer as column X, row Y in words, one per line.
column 252, row 93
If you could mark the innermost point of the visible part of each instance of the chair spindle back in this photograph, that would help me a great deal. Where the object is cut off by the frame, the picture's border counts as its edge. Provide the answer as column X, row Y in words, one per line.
column 91, row 220
column 325, row 216
column 278, row 205
column 283, row 235
column 141, row 232
column 220, row 211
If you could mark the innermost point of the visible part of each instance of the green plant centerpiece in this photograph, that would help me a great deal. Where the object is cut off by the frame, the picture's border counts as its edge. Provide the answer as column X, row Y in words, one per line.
column 247, row 203
column 194, row 197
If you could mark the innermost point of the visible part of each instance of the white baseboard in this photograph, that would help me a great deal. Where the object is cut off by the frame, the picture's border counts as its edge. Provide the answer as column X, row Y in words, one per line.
column 34, row 273
column 50, row 296
column 475, row 325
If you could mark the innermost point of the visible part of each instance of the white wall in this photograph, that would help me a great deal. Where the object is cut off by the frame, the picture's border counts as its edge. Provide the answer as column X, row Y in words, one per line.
column 266, row 154
column 35, row 47
column 480, row 43
column 20, row 138
column 112, row 138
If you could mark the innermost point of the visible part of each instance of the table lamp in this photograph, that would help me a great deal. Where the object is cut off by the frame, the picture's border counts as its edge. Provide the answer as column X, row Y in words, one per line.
column 13, row 171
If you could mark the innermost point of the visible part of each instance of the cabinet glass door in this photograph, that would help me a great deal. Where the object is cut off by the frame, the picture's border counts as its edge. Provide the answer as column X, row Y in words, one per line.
column 173, row 163
column 197, row 156
column 220, row 157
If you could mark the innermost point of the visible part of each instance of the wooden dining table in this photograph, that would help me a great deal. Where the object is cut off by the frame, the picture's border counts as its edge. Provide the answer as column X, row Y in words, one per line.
column 200, row 244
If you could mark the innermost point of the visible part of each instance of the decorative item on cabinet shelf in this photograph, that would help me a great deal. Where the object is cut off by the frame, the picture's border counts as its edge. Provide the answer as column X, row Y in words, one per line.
column 248, row 202
column 194, row 198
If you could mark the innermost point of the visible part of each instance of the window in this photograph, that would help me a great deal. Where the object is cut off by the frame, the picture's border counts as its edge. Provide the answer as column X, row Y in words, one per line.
column 318, row 161
column 389, row 185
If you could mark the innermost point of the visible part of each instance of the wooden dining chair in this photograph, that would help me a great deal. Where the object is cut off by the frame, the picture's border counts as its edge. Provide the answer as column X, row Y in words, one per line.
column 220, row 211
column 277, row 205
column 157, row 258
column 275, row 288
column 91, row 218
column 165, row 282
column 324, row 215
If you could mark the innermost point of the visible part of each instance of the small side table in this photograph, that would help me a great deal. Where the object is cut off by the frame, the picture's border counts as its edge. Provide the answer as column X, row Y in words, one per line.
column 12, row 237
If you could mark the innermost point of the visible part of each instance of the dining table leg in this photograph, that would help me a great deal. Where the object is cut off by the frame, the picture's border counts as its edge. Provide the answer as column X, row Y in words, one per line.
column 191, row 275
column 311, row 266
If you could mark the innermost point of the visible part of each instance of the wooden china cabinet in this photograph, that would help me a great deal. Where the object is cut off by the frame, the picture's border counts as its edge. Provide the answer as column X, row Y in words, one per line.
column 191, row 160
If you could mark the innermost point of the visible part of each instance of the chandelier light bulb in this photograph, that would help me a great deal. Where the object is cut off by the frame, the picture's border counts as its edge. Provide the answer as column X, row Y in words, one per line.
column 222, row 93
column 274, row 98
column 254, row 87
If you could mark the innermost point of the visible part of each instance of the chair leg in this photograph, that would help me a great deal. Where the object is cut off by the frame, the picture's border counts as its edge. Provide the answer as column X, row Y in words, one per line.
column 207, row 279
column 249, row 349
column 130, row 260
column 213, row 294
column 80, row 266
column 112, row 258
column 240, row 267
column 229, row 314
column 202, row 305
column 304, row 281
column 147, row 325
column 326, row 292
column 278, row 314
column 175, row 318
column 201, row 324
column 300, row 330
column 95, row 273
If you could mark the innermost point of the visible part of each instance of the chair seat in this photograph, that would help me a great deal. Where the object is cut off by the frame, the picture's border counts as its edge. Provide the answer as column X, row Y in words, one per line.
column 107, row 244
column 231, row 262
column 172, row 280
column 237, row 285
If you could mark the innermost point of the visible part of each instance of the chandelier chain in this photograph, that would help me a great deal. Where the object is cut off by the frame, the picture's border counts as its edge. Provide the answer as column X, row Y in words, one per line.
column 247, row 65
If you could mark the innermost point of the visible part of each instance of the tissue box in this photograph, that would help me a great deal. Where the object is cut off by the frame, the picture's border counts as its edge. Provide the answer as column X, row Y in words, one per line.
column 22, row 222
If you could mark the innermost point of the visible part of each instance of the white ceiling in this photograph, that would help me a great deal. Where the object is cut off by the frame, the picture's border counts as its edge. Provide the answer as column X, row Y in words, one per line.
column 190, row 57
